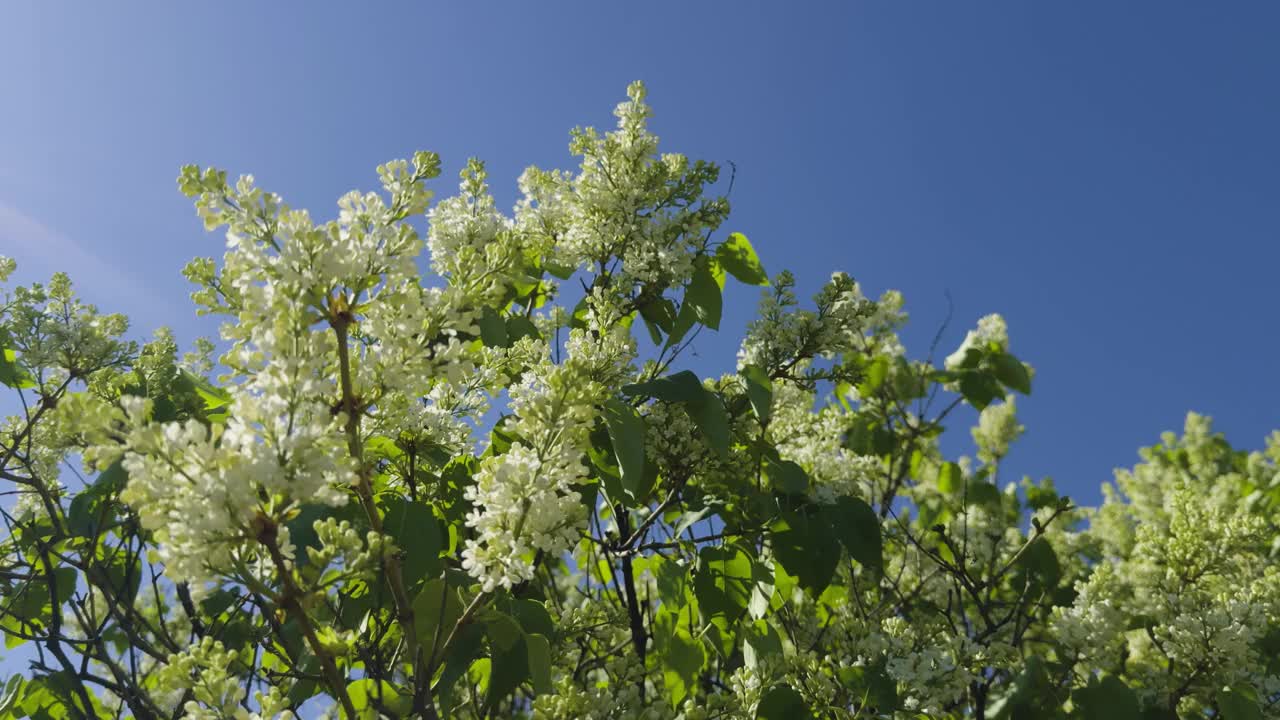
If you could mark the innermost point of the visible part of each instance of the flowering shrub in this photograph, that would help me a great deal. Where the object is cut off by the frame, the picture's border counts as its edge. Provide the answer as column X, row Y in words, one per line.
column 337, row 524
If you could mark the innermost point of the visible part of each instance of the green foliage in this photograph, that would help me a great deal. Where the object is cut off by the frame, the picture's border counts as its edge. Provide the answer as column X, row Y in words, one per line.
column 1106, row 699
column 682, row 660
column 1239, row 704
column 759, row 391
column 739, row 259
column 340, row 520
column 705, row 407
column 626, row 434
column 782, row 703
column 806, row 545
column 858, row 528
column 704, row 295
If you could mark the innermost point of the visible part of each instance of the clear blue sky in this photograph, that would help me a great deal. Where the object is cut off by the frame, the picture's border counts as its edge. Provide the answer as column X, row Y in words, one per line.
column 1104, row 174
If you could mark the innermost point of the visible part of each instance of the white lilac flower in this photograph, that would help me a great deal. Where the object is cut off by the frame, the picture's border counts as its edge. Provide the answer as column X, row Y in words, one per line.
column 524, row 498
column 998, row 427
column 991, row 330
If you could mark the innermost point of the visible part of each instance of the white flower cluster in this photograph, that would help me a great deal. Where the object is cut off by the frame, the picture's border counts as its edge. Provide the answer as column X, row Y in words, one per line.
column 443, row 419
column 843, row 321
column 997, row 429
column 322, row 312
column 616, row 700
column 930, row 669
column 205, row 670
column 673, row 442
column 471, row 243
column 815, row 440
column 525, row 502
column 991, row 330
column 524, row 498
column 627, row 202
column 1187, row 586
column 342, row 543
column 200, row 490
column 1091, row 629
column 57, row 333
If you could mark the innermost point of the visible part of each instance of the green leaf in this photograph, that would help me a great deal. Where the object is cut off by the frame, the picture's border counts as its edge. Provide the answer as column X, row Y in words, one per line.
column 124, row 575
column 670, row 578
column 500, row 439
column 564, row 272
column 950, row 478
column 533, row 617
column 92, row 510
column 858, row 528
column 682, row 660
column 502, row 630
column 578, row 319
column 722, row 581
column 704, row 407
column 1030, row 695
column 705, row 297
column 655, row 334
column 1239, row 703
column 869, row 438
column 681, row 387
column 981, row 492
column 39, row 702
column 760, row 641
column 1041, row 562
column 464, row 649
column 113, row 479
column 785, row 475
column 807, row 548
column 712, row 419
column 882, row 691
column 720, row 633
column 659, row 317
column 540, row 662
column 1269, row 646
column 509, row 670
column 762, row 591
column 661, row 312
column 1108, row 699
column 526, row 287
column 782, row 703
column 11, row 373
column 626, row 432
column 602, row 467
column 88, row 515
column 759, row 390
column 213, row 396
column 685, row 320
column 11, row 694
column 1010, row 371
column 1042, row 496
column 979, row 389
column 493, row 329
column 368, row 695
column 875, row 374
column 436, row 606
column 415, row 530
column 218, row 601
column 691, row 518
column 520, row 327
column 737, row 257
column 908, row 382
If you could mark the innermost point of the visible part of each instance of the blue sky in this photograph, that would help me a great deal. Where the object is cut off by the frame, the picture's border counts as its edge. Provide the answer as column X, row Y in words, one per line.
column 1103, row 174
